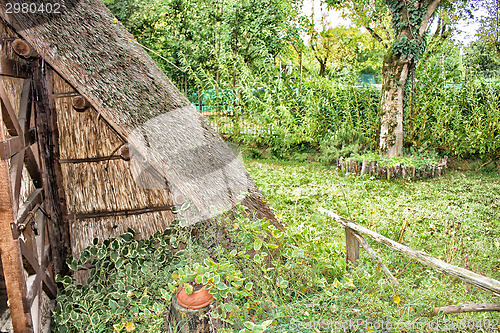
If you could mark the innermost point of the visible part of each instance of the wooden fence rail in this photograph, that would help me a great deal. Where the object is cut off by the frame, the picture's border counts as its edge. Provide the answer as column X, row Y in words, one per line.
column 425, row 259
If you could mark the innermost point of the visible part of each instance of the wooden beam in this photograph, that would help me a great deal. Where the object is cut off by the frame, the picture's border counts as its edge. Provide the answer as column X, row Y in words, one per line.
column 25, row 107
column 41, row 277
column 65, row 94
column 48, row 140
column 31, row 261
column 125, row 212
column 467, row 308
column 16, row 177
column 9, row 115
column 22, row 48
column 15, row 145
column 425, row 259
column 11, row 254
column 33, row 168
column 10, row 147
column 26, row 209
column 14, row 68
column 89, row 160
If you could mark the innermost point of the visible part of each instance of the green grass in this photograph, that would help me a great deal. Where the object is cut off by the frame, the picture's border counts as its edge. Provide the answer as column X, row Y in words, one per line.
column 455, row 218
column 307, row 288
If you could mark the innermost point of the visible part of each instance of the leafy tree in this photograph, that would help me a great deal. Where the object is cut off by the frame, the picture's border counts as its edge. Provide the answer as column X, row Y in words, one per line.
column 482, row 59
column 202, row 42
column 405, row 45
column 489, row 31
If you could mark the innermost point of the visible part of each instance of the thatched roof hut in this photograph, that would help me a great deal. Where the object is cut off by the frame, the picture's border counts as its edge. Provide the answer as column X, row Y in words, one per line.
column 130, row 98
column 118, row 145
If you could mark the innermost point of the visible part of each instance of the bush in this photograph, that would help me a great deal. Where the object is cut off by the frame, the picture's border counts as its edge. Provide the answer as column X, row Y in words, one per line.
column 343, row 143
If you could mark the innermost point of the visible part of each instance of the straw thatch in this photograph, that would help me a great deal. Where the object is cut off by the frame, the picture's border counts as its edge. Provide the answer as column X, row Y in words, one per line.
column 97, row 56
column 102, row 186
column 177, row 155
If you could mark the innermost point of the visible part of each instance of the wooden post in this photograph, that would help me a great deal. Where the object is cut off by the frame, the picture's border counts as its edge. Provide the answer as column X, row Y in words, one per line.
column 351, row 246
column 425, row 259
column 48, row 138
column 11, row 254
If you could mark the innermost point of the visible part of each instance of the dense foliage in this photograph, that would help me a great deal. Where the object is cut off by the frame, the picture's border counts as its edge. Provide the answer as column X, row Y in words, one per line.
column 455, row 218
column 265, row 87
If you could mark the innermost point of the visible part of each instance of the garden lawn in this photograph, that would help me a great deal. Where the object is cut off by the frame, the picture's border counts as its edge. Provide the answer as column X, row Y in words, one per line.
column 296, row 280
column 455, row 218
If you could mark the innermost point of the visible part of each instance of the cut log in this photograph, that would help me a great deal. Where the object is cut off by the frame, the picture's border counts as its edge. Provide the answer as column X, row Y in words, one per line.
column 22, row 48
column 467, row 308
column 363, row 167
column 125, row 152
column 373, row 168
column 80, row 104
column 425, row 259
column 182, row 320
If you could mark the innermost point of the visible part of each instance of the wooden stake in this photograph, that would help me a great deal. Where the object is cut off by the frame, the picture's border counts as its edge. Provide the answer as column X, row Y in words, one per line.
column 425, row 259
column 377, row 259
column 12, row 263
column 467, row 308
column 401, row 233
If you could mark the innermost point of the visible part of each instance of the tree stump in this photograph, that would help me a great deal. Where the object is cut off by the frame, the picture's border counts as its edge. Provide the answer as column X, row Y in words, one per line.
column 182, row 320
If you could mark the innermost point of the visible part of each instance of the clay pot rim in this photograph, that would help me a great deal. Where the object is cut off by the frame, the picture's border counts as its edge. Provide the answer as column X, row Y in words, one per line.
column 196, row 303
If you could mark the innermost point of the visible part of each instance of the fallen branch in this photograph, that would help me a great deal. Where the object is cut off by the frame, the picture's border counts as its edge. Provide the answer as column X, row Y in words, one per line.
column 425, row 259
column 485, row 164
column 467, row 308
column 377, row 259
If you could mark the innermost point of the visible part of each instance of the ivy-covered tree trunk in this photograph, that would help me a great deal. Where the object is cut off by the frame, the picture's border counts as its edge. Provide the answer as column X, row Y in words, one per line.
column 409, row 21
column 395, row 71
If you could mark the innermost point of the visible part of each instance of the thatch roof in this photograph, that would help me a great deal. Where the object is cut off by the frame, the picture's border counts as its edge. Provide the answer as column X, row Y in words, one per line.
column 93, row 53
column 87, row 46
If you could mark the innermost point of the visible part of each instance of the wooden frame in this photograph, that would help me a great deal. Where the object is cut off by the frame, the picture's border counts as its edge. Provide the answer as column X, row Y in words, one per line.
column 24, row 228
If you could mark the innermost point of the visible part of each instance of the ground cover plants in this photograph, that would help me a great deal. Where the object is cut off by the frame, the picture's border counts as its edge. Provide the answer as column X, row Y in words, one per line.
column 304, row 288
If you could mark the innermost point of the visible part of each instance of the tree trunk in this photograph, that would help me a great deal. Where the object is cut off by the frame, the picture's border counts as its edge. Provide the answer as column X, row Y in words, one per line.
column 395, row 71
column 322, row 67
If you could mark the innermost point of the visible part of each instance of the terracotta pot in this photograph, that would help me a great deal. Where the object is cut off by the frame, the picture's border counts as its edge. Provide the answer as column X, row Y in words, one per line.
column 197, row 300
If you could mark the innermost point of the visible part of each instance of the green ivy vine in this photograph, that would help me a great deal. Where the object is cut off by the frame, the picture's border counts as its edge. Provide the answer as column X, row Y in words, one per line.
column 406, row 21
